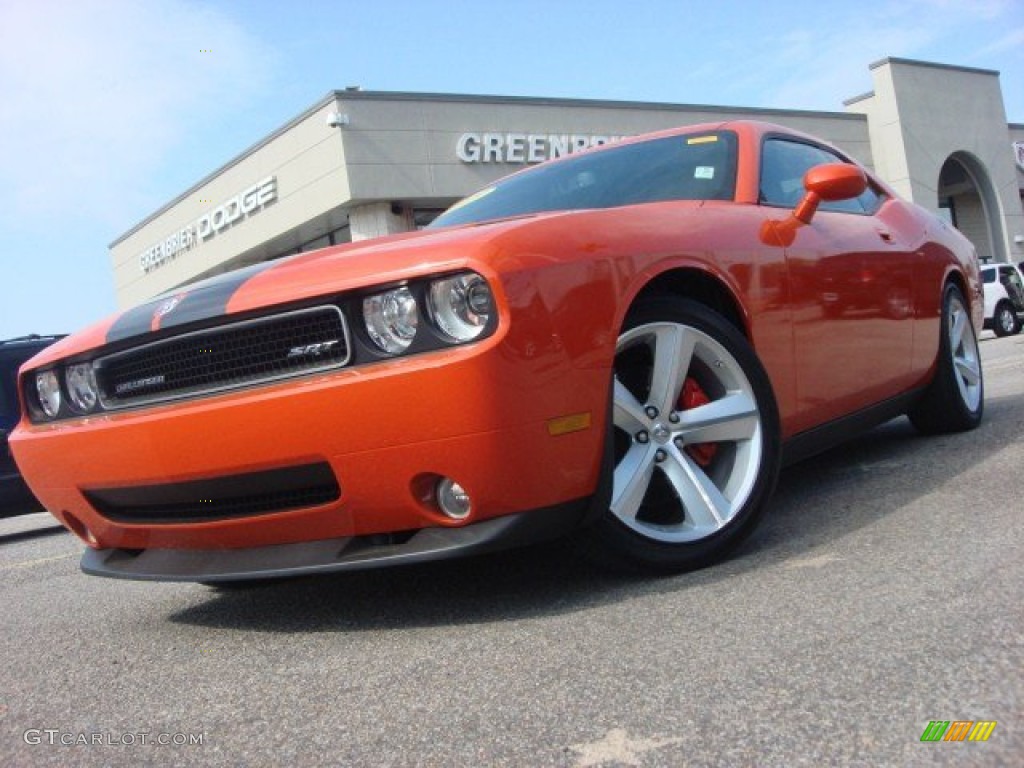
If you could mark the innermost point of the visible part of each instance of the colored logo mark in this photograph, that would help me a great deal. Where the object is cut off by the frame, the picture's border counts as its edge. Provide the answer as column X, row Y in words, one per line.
column 958, row 730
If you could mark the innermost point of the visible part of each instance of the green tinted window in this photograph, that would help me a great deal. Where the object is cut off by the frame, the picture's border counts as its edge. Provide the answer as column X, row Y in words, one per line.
column 694, row 167
column 783, row 165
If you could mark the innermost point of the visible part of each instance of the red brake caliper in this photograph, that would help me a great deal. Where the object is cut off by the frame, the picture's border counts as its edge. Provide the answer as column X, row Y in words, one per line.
column 692, row 396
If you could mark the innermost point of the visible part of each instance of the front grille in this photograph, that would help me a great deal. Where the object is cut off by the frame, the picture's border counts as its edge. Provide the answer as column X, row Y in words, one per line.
column 219, row 498
column 227, row 356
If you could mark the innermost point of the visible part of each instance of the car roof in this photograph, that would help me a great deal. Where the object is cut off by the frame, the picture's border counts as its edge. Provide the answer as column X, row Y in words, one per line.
column 23, row 347
column 32, row 339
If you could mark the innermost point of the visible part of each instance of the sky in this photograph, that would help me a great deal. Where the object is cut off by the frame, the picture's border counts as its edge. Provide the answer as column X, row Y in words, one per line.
column 110, row 109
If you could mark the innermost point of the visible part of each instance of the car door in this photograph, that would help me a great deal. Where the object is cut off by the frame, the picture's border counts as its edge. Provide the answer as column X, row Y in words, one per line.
column 851, row 290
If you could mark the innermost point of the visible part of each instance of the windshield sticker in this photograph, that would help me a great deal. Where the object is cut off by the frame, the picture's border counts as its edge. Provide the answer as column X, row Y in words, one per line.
column 704, row 172
column 702, row 140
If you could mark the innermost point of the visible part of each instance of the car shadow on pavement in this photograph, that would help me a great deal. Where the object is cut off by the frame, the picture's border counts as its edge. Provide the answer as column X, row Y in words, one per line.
column 51, row 528
column 817, row 503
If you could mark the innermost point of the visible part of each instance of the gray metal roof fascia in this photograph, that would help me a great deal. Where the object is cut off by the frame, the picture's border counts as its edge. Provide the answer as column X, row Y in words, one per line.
column 345, row 95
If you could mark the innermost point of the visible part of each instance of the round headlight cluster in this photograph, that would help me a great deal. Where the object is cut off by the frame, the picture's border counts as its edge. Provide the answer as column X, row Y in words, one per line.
column 48, row 390
column 392, row 319
column 79, row 386
column 461, row 305
column 82, row 389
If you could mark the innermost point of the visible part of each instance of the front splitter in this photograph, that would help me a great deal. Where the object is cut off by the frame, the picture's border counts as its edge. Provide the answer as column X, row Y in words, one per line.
column 332, row 555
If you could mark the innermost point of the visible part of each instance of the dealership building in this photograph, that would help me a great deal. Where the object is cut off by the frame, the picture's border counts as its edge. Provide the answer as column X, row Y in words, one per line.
column 359, row 164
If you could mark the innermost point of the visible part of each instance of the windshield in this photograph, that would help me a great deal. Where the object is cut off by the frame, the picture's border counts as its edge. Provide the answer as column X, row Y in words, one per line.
column 688, row 167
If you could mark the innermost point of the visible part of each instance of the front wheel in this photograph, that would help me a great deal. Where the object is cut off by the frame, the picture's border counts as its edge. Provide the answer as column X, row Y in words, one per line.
column 1005, row 321
column 696, row 438
column 955, row 399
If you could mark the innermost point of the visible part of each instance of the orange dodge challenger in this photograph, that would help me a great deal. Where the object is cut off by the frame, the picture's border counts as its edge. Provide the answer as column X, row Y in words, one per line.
column 625, row 344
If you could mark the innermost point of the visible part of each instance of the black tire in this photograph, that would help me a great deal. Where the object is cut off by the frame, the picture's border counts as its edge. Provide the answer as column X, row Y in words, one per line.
column 1004, row 320
column 674, row 507
column 955, row 399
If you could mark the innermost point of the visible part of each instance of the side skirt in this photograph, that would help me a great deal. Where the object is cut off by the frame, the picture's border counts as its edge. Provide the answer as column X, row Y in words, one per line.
column 833, row 433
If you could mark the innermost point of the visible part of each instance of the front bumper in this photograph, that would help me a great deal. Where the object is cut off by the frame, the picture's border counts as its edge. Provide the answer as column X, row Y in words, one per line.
column 330, row 555
column 480, row 415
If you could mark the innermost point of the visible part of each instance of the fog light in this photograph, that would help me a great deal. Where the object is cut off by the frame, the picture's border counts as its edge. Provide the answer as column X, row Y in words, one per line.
column 453, row 499
column 81, row 530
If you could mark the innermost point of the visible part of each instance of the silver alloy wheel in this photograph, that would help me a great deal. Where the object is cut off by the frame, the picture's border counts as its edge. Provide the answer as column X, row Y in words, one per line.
column 656, row 433
column 963, row 345
column 1006, row 319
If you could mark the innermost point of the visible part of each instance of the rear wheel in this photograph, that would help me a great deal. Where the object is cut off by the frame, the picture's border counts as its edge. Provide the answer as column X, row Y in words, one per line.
column 955, row 399
column 696, row 440
column 1004, row 323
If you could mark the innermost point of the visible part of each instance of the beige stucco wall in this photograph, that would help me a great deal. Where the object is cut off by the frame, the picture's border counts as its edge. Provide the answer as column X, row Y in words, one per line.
column 920, row 114
column 308, row 162
column 371, row 220
column 970, row 219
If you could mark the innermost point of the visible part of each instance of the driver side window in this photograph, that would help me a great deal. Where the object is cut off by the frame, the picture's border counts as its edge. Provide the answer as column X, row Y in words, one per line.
column 783, row 165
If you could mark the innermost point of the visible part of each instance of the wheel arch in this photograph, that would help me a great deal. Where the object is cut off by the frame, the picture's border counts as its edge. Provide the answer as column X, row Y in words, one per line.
column 975, row 301
column 701, row 286
column 956, row 278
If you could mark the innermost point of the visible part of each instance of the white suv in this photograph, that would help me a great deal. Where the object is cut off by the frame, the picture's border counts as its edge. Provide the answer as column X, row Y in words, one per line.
column 1004, row 298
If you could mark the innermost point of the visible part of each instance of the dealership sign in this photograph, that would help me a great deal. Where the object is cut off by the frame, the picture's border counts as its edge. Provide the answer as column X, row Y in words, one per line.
column 524, row 147
column 230, row 212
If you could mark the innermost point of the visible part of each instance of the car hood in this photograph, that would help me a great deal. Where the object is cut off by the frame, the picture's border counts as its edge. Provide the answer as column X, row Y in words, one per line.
column 307, row 275
column 347, row 267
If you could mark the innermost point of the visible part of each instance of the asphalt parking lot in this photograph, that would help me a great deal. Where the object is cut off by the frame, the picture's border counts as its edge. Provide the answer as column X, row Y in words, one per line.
column 884, row 592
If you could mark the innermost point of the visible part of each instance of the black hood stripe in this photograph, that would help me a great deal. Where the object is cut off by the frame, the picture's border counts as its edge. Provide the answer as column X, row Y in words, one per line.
column 202, row 301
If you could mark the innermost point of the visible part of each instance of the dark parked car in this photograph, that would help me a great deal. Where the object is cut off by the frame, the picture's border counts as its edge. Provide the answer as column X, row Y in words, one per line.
column 15, row 496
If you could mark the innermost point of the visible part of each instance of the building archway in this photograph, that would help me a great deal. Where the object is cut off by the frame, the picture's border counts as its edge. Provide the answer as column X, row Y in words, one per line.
column 968, row 200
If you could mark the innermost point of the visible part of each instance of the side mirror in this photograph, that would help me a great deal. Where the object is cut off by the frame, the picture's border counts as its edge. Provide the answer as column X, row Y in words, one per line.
column 833, row 181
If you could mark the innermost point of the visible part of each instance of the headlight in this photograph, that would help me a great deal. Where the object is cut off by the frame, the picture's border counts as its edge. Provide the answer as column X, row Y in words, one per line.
column 48, row 389
column 461, row 305
column 391, row 319
column 81, row 385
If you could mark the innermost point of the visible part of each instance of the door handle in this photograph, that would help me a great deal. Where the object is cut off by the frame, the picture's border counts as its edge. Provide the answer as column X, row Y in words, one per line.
column 886, row 235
